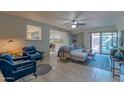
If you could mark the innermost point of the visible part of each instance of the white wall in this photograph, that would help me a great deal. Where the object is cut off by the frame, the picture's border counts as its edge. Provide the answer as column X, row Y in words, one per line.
column 15, row 28
column 120, row 27
column 120, row 24
column 80, row 39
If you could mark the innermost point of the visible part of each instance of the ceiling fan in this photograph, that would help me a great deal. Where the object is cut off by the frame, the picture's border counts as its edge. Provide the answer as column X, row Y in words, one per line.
column 75, row 24
column 75, row 19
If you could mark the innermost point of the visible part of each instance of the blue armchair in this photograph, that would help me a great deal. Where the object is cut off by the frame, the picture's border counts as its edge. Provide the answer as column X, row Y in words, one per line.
column 32, row 53
column 12, row 71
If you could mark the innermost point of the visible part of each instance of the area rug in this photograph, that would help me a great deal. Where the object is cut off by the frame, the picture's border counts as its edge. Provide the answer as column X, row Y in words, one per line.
column 101, row 61
column 43, row 69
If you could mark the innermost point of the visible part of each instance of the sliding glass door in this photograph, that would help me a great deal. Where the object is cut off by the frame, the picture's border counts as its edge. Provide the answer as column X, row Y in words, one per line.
column 103, row 42
column 95, row 42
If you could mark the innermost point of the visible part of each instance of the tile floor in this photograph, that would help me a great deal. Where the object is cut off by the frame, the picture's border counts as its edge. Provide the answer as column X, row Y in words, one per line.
column 70, row 72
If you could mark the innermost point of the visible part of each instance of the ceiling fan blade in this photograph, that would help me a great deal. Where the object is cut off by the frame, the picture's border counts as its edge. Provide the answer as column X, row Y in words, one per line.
column 67, row 24
column 85, row 19
column 81, row 24
column 64, row 19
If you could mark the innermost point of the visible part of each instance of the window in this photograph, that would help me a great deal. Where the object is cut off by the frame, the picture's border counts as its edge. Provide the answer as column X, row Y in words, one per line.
column 103, row 42
column 34, row 33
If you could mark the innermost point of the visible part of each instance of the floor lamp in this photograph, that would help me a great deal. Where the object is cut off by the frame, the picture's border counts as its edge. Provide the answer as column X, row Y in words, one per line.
column 9, row 41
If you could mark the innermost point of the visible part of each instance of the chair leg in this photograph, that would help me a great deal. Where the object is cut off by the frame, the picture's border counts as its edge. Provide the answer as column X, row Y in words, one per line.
column 35, row 74
column 41, row 61
column 120, row 73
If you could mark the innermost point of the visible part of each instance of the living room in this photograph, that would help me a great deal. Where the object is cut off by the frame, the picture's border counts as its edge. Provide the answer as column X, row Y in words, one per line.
column 17, row 29
column 61, row 46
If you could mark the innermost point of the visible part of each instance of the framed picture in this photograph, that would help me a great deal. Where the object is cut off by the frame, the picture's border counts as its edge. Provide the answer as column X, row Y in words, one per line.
column 34, row 32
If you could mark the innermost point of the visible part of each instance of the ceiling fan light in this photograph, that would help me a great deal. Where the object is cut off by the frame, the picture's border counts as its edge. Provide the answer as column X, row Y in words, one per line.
column 75, row 22
column 73, row 26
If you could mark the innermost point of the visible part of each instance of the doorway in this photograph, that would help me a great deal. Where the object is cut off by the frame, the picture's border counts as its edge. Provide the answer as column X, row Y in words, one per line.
column 57, row 39
column 103, row 42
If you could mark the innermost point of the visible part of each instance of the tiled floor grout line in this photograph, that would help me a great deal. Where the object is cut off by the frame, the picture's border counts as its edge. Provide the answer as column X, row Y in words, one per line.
column 62, row 75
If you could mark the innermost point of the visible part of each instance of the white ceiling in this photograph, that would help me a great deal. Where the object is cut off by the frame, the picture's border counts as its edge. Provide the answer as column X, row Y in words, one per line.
column 93, row 19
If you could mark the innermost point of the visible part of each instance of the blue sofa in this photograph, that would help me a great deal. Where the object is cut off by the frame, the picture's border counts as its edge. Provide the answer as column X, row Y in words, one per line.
column 12, row 71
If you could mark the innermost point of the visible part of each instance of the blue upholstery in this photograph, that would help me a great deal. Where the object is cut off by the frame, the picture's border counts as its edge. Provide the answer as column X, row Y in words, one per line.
column 7, row 57
column 12, row 71
column 32, row 53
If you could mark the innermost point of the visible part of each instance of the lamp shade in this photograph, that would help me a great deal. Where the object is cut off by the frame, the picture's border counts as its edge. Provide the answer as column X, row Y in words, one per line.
column 10, row 41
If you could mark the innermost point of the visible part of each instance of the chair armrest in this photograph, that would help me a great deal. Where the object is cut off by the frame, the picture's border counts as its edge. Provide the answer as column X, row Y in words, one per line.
column 26, row 54
column 25, row 63
column 20, row 58
column 8, row 64
column 41, row 52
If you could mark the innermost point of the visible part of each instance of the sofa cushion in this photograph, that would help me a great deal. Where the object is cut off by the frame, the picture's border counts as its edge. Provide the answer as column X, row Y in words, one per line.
column 35, row 56
column 31, row 52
